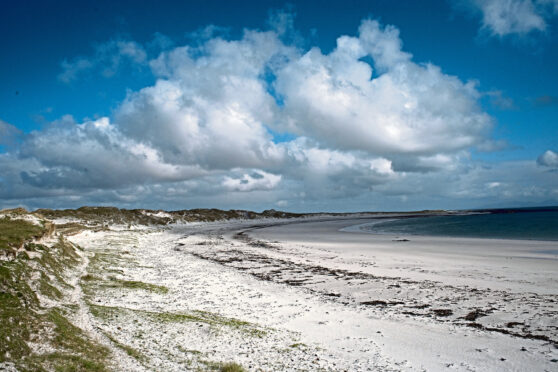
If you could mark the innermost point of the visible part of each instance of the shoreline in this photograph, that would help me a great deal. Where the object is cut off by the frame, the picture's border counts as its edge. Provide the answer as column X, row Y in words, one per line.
column 537, row 248
column 497, row 263
column 296, row 295
column 405, row 282
column 357, row 229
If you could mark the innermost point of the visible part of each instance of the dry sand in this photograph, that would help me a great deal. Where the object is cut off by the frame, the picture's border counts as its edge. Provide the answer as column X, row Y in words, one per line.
column 307, row 296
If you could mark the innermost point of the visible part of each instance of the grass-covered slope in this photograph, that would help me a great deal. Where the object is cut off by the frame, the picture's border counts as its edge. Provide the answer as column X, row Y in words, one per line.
column 111, row 215
column 105, row 216
column 14, row 232
column 45, row 289
column 35, row 331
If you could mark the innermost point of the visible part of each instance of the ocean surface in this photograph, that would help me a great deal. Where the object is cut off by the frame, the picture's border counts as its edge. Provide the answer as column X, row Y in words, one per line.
column 521, row 223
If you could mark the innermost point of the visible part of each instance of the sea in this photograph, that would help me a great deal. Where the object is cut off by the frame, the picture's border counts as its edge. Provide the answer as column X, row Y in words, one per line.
column 514, row 223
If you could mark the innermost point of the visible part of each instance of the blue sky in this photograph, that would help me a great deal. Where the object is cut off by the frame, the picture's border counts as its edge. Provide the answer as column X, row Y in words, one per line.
column 430, row 104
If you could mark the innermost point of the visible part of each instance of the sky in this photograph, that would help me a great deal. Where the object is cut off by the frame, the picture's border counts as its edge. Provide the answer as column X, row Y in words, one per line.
column 299, row 106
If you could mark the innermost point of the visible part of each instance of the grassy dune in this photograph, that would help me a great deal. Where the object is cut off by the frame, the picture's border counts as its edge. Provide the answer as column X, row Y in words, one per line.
column 36, row 270
column 39, row 272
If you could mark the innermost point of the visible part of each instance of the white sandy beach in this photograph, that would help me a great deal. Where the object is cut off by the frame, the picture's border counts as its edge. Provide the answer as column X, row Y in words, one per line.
column 316, row 298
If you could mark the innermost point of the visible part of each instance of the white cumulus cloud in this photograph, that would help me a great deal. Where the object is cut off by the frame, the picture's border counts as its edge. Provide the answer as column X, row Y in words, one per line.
column 548, row 159
column 364, row 123
column 106, row 60
column 403, row 108
column 257, row 180
column 8, row 133
column 505, row 17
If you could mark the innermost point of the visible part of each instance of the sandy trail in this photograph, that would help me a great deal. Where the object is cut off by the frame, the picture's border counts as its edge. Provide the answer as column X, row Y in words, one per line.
column 305, row 296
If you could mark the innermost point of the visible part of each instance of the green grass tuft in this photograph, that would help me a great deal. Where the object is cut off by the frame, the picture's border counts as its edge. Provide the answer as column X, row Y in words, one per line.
column 128, row 349
column 221, row 367
column 134, row 284
column 212, row 319
column 231, row 367
column 14, row 232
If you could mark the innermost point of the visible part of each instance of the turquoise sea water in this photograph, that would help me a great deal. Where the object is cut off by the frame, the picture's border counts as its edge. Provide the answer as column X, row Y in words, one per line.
column 524, row 223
